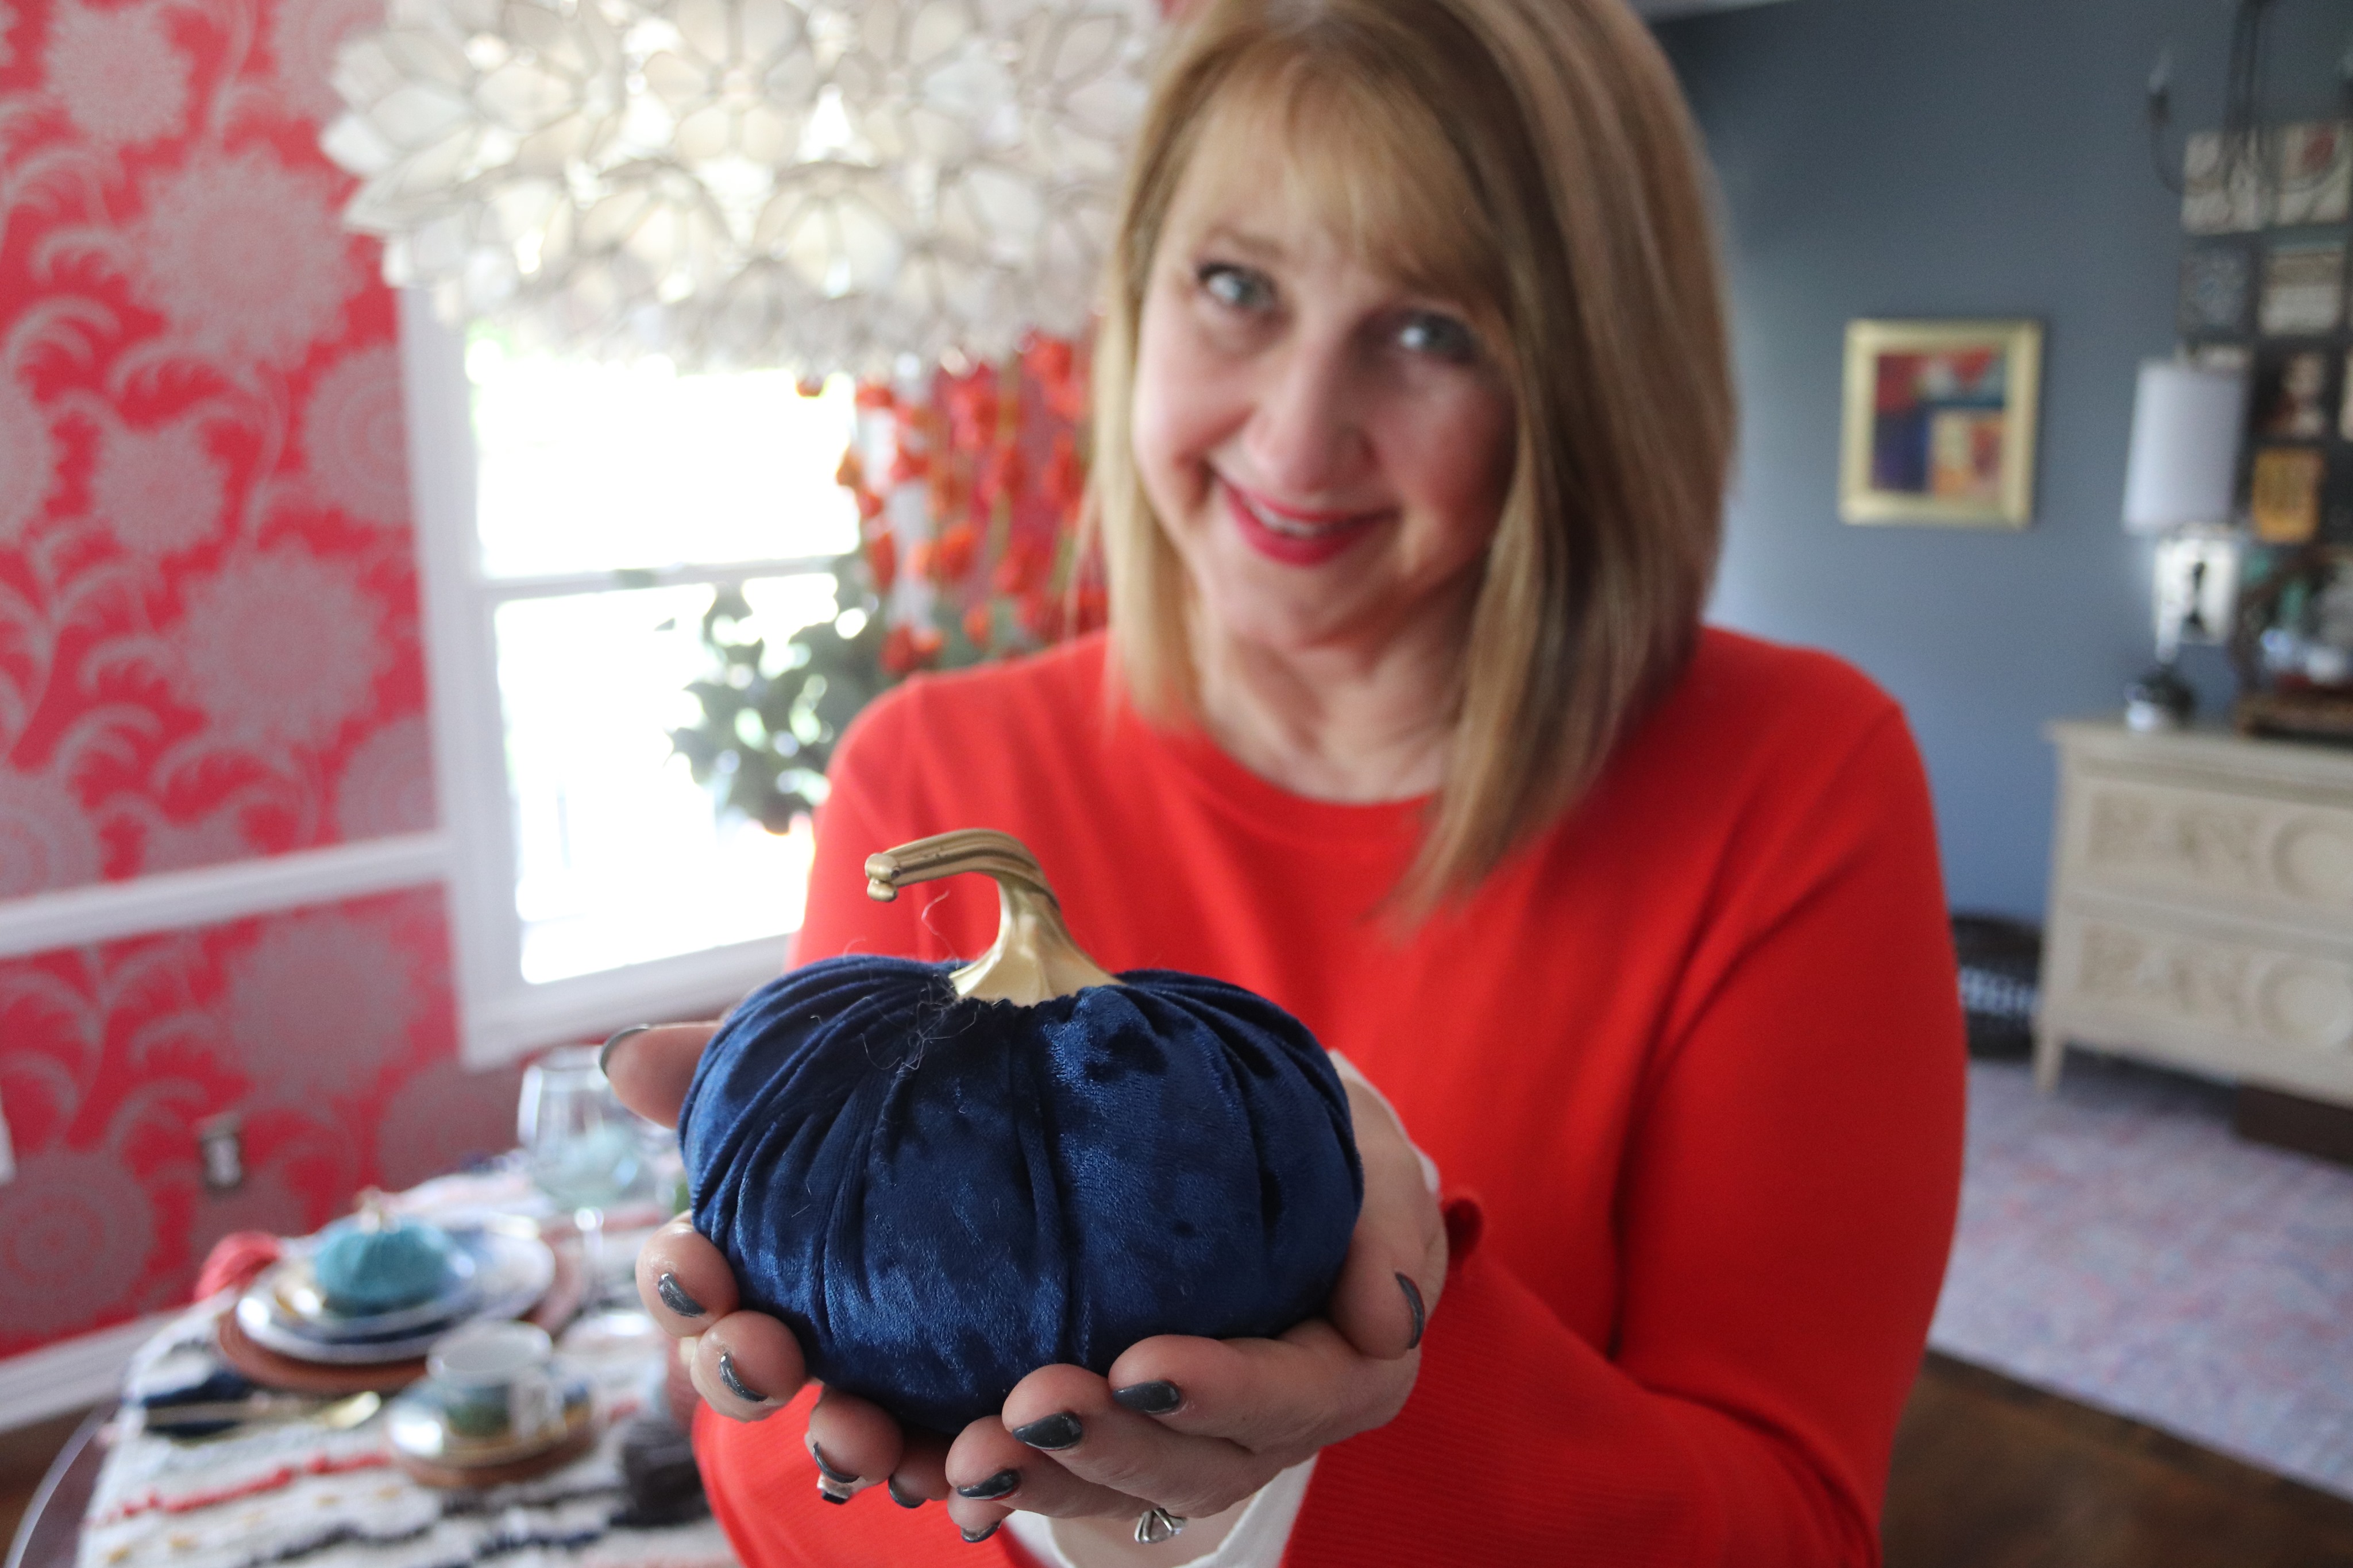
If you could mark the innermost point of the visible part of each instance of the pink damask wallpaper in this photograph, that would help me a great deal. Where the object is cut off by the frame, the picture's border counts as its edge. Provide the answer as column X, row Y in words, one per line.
column 208, row 649
column 328, row 1031
column 208, row 602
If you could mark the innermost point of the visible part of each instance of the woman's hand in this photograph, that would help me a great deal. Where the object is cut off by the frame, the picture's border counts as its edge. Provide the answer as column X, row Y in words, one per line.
column 1186, row 1424
column 744, row 1364
column 1195, row 1426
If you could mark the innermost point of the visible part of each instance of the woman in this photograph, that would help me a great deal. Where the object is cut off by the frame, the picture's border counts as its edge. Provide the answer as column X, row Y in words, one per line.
column 1412, row 426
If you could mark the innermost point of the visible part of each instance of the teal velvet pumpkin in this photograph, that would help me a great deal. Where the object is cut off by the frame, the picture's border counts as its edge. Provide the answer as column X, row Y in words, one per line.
column 374, row 1265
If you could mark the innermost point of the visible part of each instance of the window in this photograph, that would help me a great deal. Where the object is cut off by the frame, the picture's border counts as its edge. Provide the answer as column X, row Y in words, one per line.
column 574, row 520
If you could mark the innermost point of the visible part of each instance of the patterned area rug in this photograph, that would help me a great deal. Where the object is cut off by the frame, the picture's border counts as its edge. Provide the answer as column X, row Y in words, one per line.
column 2120, row 1247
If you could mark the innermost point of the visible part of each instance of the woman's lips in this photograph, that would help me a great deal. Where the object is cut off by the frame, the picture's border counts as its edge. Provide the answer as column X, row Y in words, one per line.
column 1281, row 534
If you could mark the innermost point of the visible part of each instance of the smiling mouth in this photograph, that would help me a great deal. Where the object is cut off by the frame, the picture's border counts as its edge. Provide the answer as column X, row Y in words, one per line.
column 1298, row 525
column 1294, row 538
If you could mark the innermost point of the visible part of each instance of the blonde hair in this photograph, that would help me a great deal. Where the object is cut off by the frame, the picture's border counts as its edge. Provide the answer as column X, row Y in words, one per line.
column 1532, row 159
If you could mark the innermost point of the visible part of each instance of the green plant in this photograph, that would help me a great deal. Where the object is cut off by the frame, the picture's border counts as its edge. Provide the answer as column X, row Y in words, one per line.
column 770, row 716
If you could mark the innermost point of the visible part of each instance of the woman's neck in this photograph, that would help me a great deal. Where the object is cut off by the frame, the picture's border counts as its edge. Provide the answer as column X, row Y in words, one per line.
column 1349, row 722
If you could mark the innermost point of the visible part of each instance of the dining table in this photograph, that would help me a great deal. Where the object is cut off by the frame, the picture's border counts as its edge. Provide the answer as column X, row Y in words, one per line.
column 318, row 1485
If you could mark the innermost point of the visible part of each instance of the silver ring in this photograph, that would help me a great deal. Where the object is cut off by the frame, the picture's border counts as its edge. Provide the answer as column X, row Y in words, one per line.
column 1158, row 1525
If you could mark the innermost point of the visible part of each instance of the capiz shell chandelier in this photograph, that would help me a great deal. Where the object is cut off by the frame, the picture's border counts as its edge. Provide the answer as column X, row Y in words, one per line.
column 735, row 182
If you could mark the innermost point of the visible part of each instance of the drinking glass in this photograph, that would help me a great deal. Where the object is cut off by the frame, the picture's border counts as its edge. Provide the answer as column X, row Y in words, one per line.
column 581, row 1144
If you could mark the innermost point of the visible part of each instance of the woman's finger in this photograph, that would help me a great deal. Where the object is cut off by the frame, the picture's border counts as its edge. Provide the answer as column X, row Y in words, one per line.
column 683, row 1280
column 922, row 1473
column 993, row 1473
column 1069, row 1413
column 649, row 1066
column 1387, row 1285
column 746, row 1365
column 855, row 1442
column 1280, row 1398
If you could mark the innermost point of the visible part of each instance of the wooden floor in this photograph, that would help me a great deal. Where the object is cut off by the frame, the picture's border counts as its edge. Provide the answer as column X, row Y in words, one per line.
column 1988, row 1474
column 1992, row 1474
column 25, row 1456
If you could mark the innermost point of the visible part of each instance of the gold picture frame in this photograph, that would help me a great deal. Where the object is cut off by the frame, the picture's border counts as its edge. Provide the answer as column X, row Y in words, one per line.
column 1940, row 422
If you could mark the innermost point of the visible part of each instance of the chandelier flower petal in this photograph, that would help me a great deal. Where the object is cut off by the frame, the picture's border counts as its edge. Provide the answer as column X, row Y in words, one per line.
column 817, row 185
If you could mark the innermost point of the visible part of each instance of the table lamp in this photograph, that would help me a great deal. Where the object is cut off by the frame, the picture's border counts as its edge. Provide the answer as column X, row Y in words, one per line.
column 2180, row 481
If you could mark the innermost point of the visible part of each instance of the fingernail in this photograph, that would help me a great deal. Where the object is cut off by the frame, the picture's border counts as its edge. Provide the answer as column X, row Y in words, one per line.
column 825, row 1491
column 1149, row 1398
column 830, row 1470
column 605, row 1052
column 904, row 1499
column 675, row 1298
column 997, row 1486
column 1059, row 1430
column 1413, row 1299
column 977, row 1536
column 735, row 1385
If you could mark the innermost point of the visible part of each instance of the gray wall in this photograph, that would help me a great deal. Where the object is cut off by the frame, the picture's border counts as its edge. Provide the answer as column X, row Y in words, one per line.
column 1962, row 158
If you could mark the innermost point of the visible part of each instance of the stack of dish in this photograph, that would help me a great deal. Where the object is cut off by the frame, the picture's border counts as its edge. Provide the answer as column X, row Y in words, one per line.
column 483, row 1272
column 499, row 1405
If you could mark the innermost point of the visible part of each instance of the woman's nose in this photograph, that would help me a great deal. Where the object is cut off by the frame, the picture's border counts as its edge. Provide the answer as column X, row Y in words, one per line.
column 1305, row 439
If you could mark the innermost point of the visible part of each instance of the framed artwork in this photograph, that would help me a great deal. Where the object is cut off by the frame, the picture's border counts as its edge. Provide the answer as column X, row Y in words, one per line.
column 2314, row 183
column 2217, row 289
column 2292, row 398
column 2303, row 289
column 2219, row 194
column 1939, row 423
column 2284, row 494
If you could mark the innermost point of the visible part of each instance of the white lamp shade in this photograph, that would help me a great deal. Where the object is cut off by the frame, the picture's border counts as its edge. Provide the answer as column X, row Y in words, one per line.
column 2185, row 447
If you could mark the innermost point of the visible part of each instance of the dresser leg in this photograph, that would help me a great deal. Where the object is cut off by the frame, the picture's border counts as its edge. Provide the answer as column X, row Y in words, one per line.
column 2050, row 1055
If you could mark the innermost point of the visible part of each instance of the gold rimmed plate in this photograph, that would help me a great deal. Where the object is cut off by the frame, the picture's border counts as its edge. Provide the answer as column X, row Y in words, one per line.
column 511, row 1268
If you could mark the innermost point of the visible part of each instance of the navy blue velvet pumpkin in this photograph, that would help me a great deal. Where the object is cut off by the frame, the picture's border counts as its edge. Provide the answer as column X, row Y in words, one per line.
column 939, row 1194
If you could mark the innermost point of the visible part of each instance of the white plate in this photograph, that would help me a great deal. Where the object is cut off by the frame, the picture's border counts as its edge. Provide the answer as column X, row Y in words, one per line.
column 513, row 1270
column 296, row 1297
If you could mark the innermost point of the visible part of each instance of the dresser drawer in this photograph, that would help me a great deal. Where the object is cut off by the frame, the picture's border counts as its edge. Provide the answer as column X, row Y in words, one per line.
column 2274, row 856
column 2230, row 997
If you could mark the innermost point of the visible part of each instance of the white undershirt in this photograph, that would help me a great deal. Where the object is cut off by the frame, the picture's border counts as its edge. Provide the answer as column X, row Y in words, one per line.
column 1259, row 1535
column 1256, row 1540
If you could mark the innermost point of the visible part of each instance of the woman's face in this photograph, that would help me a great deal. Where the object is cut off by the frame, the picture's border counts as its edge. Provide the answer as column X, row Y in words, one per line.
column 1327, row 449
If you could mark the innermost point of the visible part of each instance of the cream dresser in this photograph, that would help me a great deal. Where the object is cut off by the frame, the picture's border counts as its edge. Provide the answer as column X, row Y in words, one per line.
column 2201, row 907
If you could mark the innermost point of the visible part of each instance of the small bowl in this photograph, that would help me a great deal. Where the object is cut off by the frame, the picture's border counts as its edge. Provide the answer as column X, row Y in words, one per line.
column 493, row 1393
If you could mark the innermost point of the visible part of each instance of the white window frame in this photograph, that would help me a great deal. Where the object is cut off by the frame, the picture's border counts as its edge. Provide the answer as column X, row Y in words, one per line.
column 502, row 1015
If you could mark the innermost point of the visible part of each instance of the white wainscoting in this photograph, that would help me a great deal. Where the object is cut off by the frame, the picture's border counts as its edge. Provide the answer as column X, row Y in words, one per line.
column 73, row 1373
column 177, row 900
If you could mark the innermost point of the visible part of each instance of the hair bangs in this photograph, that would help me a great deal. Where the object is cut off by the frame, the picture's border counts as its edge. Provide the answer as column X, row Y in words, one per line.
column 1359, row 146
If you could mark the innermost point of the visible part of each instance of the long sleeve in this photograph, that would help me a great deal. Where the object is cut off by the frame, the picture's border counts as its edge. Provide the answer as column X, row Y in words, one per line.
column 1785, row 1208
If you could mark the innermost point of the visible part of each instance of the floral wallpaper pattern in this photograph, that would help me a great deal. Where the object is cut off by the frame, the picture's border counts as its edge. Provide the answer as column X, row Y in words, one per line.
column 207, row 600
column 326, row 1031
column 208, row 652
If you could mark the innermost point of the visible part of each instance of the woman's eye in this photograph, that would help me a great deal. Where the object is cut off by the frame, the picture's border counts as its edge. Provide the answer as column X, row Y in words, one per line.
column 1442, row 337
column 1237, row 287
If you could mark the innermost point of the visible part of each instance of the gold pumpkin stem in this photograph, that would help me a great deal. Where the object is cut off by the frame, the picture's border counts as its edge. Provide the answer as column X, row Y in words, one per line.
column 1034, row 958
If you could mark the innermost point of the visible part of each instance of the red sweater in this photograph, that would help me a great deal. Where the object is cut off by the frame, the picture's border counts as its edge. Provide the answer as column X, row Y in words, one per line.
column 1695, row 1053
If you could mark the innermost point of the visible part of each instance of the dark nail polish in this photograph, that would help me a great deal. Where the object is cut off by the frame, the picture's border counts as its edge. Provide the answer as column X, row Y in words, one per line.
column 675, row 1298
column 735, row 1383
column 833, row 1496
column 1149, row 1398
column 904, row 1499
column 976, row 1537
column 605, row 1052
column 830, row 1470
column 1413, row 1299
column 997, row 1486
column 1055, row 1432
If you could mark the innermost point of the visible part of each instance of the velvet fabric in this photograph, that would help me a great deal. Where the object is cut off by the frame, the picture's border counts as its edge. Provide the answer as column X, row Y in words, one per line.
column 940, row 1195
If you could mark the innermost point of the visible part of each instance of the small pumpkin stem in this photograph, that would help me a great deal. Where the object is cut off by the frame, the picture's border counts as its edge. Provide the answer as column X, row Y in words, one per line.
column 1034, row 958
